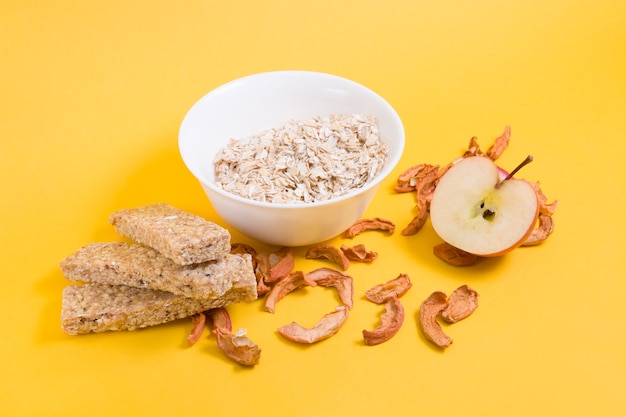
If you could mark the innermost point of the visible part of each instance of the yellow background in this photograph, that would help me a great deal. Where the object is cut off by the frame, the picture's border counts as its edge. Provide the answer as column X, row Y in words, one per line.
column 93, row 94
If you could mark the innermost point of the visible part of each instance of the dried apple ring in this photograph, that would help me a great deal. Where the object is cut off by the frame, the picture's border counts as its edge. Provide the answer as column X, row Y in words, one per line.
column 328, row 277
column 323, row 329
column 500, row 144
column 237, row 347
column 291, row 282
column 331, row 253
column 370, row 224
column 393, row 288
column 461, row 303
column 359, row 253
column 391, row 321
column 281, row 264
column 541, row 232
column 429, row 310
column 454, row 256
column 197, row 328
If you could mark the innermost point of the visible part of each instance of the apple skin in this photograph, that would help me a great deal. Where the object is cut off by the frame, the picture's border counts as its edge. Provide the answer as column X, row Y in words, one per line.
column 470, row 213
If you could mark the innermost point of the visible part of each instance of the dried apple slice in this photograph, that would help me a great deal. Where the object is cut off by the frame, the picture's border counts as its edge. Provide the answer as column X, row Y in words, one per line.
column 329, row 252
column 197, row 328
column 500, row 144
column 237, row 347
column 328, row 277
column 541, row 232
column 281, row 264
column 359, row 253
column 376, row 223
column 461, row 303
column 390, row 289
column 391, row 321
column 291, row 282
column 323, row 329
column 429, row 310
column 454, row 256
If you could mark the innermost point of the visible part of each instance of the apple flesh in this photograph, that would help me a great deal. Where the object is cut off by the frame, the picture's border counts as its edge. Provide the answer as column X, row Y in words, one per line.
column 470, row 211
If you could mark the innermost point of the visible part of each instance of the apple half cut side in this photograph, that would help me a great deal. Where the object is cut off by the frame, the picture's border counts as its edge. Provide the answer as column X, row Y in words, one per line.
column 469, row 212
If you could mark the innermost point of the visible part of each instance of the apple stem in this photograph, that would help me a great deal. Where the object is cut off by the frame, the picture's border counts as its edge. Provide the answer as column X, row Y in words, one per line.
column 525, row 162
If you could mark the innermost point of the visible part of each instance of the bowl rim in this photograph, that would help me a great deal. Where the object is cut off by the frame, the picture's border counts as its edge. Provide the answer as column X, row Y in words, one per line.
column 389, row 165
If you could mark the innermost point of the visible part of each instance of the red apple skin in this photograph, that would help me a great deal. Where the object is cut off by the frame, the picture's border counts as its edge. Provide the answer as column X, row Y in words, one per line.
column 502, row 174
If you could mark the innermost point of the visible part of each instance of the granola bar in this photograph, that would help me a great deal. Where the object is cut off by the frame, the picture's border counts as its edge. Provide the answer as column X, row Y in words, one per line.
column 95, row 308
column 183, row 237
column 134, row 265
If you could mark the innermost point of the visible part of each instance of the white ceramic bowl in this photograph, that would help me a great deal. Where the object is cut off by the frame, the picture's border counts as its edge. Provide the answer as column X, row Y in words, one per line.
column 262, row 101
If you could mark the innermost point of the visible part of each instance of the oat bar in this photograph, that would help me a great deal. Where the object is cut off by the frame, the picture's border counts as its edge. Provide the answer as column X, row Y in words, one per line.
column 134, row 265
column 183, row 237
column 95, row 308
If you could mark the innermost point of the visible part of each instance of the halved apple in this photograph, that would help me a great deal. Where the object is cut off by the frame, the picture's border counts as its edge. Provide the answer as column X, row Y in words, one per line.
column 474, row 210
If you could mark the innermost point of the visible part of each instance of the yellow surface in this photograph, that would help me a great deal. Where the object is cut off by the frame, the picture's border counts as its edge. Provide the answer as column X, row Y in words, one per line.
column 93, row 94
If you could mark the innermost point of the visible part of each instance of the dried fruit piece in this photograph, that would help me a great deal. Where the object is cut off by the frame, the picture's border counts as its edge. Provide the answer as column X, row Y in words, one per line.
column 262, row 272
column 359, row 253
column 418, row 221
column 429, row 310
column 544, row 207
column 370, row 224
column 281, row 264
column 329, row 252
column 545, row 225
column 391, row 321
column 390, row 289
column 461, row 303
column 541, row 232
column 323, row 329
column 454, row 256
column 408, row 180
column 197, row 327
column 328, row 277
column 260, row 265
column 242, row 248
column 425, row 185
column 473, row 149
column 291, row 282
column 500, row 144
column 496, row 149
column 238, row 347
column 220, row 319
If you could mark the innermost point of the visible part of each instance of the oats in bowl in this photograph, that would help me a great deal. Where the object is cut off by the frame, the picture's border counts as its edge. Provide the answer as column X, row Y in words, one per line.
column 296, row 198
column 303, row 161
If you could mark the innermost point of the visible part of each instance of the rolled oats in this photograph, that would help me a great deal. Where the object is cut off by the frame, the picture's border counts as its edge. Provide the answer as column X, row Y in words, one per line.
column 303, row 161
